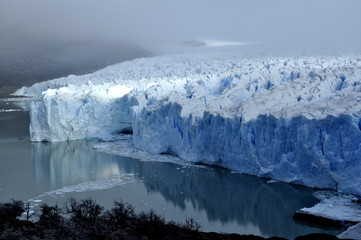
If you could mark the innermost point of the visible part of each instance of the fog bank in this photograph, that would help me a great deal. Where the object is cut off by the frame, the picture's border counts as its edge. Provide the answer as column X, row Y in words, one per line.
column 293, row 23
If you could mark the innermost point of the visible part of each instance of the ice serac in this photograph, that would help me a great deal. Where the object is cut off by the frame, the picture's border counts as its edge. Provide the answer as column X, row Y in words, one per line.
column 292, row 119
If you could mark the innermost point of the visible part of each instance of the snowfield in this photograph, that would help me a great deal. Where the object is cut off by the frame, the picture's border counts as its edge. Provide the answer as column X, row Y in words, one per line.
column 292, row 119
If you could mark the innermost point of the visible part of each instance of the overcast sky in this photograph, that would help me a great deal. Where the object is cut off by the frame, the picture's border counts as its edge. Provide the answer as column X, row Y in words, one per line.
column 335, row 22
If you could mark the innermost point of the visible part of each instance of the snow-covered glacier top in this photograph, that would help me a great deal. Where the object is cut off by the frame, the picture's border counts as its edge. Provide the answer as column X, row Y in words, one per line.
column 225, row 84
column 295, row 119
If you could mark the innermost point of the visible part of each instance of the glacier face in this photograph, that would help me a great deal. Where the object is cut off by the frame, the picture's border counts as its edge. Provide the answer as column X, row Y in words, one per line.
column 79, row 112
column 292, row 119
column 322, row 153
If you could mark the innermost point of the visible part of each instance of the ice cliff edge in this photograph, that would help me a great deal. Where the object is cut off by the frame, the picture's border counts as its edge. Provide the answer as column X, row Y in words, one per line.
column 292, row 119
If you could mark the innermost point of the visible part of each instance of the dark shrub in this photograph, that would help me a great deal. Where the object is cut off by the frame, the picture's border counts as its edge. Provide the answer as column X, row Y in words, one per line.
column 9, row 212
column 50, row 216
column 150, row 224
column 85, row 212
column 121, row 215
column 192, row 224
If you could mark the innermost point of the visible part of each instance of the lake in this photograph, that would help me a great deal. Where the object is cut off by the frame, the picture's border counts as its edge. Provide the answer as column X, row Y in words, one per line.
column 220, row 200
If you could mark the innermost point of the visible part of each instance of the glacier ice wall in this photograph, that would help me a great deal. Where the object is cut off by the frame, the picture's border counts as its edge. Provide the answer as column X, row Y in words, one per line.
column 293, row 119
column 54, row 119
column 322, row 153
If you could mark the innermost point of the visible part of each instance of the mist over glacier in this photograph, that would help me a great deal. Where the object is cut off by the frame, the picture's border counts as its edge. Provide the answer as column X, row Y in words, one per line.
column 153, row 25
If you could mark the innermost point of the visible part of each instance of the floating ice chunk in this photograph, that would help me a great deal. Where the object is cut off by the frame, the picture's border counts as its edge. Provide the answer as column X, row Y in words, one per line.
column 353, row 232
column 11, row 110
column 92, row 186
column 339, row 207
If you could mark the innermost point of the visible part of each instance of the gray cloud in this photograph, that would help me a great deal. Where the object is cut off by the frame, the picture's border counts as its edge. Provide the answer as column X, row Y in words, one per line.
column 154, row 22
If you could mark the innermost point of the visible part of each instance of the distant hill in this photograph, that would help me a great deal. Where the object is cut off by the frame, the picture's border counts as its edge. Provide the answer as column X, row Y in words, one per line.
column 24, row 62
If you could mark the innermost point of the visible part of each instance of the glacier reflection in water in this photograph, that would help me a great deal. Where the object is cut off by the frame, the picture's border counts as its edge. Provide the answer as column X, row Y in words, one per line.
column 231, row 202
column 68, row 163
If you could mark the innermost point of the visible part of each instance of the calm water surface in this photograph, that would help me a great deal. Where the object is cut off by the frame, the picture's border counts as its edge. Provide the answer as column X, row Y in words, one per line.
column 219, row 200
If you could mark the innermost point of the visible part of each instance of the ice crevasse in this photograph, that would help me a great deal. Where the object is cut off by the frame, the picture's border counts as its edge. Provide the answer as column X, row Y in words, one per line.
column 292, row 119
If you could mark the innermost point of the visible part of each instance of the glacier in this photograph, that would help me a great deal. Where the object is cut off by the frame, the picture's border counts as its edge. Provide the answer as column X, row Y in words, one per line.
column 294, row 119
